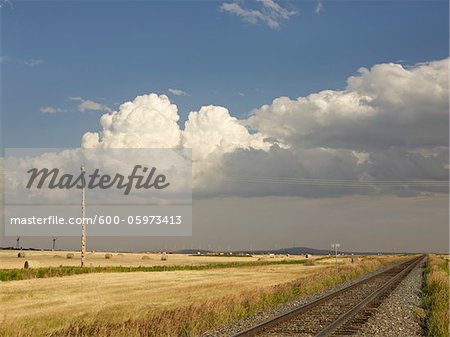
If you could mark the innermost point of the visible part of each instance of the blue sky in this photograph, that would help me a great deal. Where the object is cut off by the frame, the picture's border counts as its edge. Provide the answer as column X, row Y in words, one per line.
column 111, row 51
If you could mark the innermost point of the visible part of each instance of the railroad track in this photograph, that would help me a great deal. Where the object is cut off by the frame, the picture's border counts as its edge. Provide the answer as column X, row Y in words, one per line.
column 340, row 313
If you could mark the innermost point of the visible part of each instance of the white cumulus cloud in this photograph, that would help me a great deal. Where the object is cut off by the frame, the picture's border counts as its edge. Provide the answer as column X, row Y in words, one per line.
column 148, row 121
column 386, row 132
column 387, row 105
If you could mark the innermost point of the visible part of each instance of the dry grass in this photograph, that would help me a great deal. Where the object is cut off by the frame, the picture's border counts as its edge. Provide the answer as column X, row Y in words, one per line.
column 9, row 260
column 179, row 303
column 63, row 271
column 436, row 297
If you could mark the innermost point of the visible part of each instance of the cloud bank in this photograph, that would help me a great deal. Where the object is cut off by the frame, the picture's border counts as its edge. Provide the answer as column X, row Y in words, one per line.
column 386, row 132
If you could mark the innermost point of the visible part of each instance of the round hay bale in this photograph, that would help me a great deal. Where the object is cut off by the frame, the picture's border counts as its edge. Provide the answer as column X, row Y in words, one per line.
column 70, row 255
column 145, row 257
column 163, row 257
column 108, row 255
column 57, row 256
column 21, row 254
column 33, row 264
column 26, row 265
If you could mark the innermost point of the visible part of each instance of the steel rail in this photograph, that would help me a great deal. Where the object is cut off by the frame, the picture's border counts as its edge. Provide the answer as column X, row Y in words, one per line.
column 284, row 317
column 345, row 317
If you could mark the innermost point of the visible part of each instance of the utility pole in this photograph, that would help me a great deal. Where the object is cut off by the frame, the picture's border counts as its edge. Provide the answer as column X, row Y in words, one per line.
column 335, row 246
column 54, row 242
column 18, row 242
column 83, row 215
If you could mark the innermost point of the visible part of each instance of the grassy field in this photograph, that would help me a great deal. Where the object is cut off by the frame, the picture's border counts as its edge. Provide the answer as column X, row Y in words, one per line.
column 47, row 272
column 9, row 260
column 176, row 303
column 436, row 296
column 42, row 264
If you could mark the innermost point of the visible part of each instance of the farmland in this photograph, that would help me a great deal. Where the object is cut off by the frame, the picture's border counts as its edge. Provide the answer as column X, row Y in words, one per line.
column 8, row 259
column 158, row 303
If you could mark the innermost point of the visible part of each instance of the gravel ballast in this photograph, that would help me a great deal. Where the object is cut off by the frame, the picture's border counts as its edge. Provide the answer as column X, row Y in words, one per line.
column 248, row 322
column 397, row 315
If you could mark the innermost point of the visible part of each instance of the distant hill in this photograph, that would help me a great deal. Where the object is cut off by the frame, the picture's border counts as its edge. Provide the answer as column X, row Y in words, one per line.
column 283, row 251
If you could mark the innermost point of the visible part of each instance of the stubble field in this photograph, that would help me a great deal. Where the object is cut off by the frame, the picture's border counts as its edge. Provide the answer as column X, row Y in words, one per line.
column 172, row 303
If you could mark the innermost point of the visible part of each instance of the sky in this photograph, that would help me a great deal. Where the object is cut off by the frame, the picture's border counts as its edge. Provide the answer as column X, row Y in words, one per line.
column 342, row 92
column 111, row 51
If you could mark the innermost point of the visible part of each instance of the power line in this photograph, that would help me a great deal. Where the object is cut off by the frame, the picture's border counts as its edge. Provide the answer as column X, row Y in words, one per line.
column 337, row 182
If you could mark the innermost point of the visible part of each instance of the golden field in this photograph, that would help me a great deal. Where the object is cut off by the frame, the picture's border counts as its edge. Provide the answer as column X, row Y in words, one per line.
column 37, row 259
column 175, row 303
